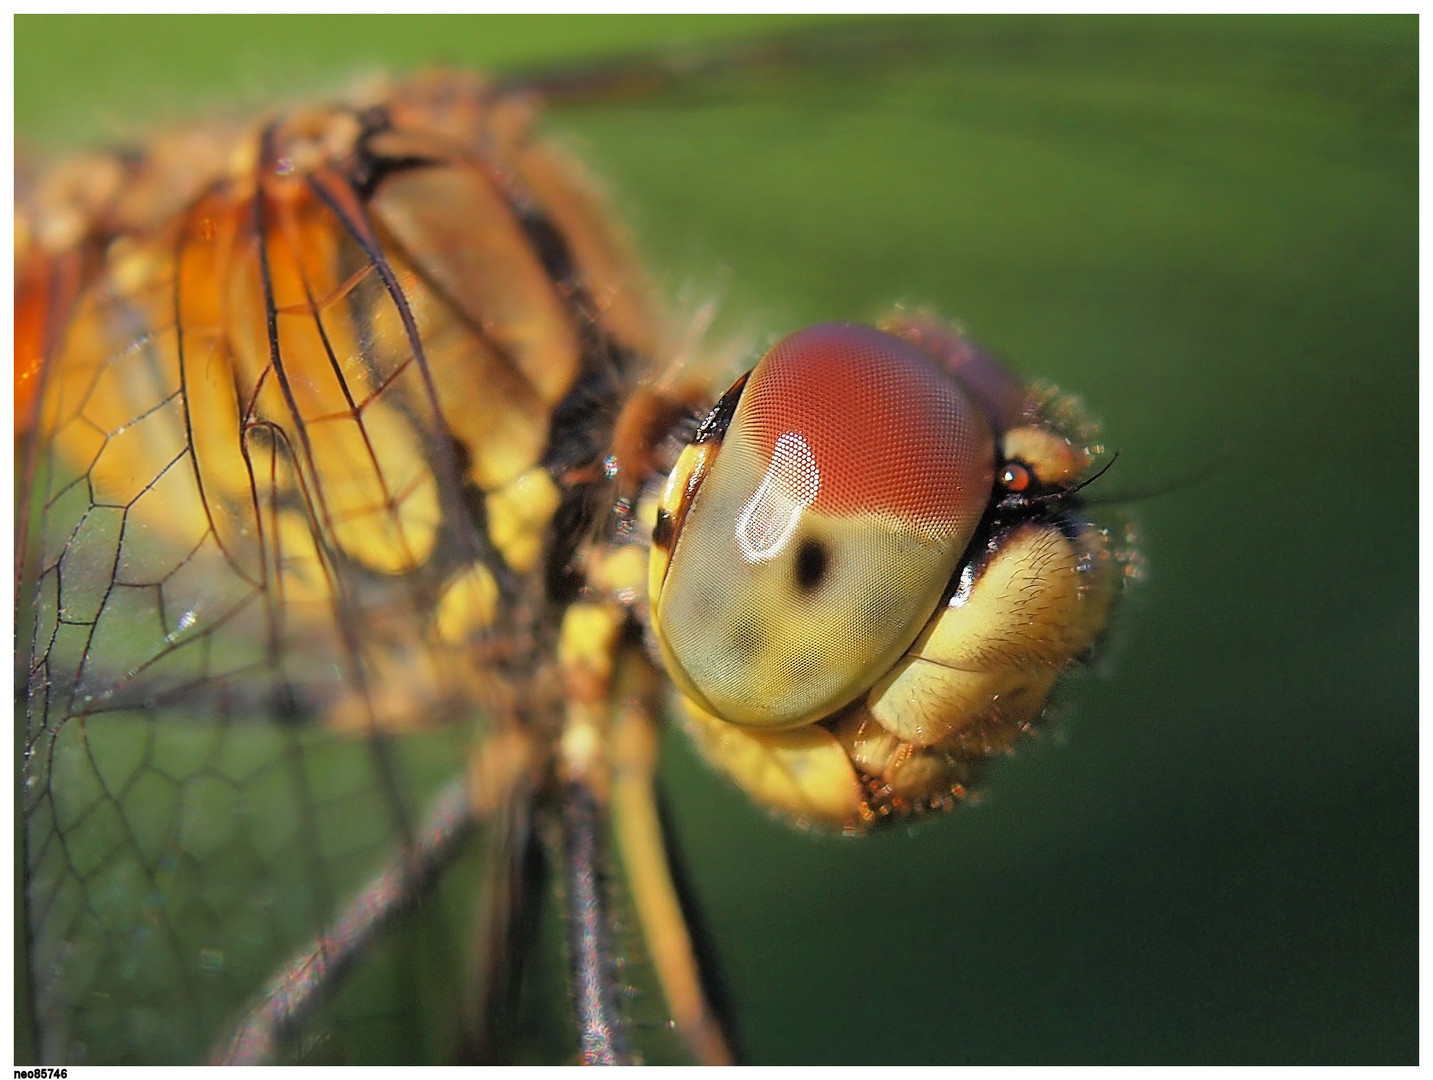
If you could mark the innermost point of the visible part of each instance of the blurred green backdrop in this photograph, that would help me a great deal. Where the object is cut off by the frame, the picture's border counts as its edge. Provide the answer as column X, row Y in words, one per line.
column 1207, row 228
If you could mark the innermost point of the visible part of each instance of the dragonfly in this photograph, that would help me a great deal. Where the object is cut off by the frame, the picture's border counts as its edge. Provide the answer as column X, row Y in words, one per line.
column 377, row 521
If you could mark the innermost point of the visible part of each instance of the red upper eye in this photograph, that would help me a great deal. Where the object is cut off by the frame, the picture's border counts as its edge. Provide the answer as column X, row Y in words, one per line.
column 888, row 431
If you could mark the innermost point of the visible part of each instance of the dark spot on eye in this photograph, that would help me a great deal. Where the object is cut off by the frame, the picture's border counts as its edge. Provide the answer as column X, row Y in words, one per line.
column 813, row 560
column 746, row 641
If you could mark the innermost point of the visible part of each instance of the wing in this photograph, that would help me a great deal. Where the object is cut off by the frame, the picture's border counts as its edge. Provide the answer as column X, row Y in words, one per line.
column 299, row 437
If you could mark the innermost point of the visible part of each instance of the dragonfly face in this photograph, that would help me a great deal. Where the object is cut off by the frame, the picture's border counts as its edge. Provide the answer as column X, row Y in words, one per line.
column 357, row 470
column 850, row 570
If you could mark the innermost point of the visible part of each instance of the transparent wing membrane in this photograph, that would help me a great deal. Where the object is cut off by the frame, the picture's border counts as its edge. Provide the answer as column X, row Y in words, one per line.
column 253, row 511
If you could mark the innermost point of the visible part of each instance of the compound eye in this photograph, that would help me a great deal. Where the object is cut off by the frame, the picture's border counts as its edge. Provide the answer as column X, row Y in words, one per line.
column 850, row 480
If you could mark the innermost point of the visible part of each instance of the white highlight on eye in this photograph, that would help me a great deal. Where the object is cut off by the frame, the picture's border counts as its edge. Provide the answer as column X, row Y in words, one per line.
column 771, row 515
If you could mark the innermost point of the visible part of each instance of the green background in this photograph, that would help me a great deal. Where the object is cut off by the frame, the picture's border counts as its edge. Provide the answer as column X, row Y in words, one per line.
column 1207, row 228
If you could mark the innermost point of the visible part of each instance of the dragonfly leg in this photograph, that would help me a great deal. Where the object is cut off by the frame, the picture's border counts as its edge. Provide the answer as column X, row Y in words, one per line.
column 639, row 840
column 589, row 641
column 608, row 758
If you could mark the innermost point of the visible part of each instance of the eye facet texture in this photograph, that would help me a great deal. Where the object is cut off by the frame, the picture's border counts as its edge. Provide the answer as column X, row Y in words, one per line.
column 849, row 482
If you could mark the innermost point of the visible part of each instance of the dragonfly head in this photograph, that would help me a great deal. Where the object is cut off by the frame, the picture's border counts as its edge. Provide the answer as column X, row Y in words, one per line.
column 870, row 566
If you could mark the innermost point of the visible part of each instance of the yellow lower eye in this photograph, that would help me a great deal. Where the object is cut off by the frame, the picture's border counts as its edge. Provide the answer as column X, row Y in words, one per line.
column 821, row 534
column 788, row 638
